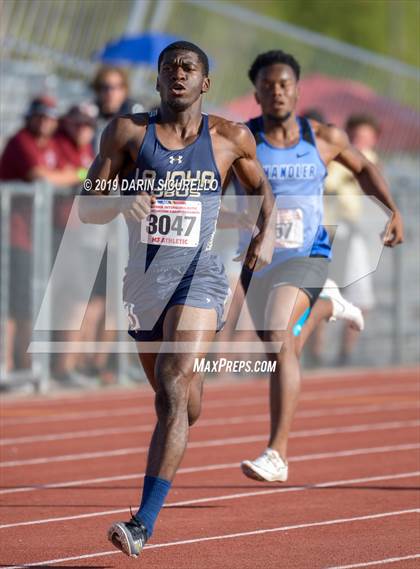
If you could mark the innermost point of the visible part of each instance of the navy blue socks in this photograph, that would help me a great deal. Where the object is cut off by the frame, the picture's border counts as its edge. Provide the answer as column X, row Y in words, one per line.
column 155, row 491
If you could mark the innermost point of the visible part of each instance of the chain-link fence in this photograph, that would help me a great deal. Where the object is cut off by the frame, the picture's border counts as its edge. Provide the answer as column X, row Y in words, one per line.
column 60, row 289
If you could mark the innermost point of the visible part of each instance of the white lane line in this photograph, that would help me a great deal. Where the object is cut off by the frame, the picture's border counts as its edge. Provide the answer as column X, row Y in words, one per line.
column 143, row 389
column 349, row 392
column 194, row 469
column 296, row 489
column 213, row 443
column 327, row 376
column 76, row 415
column 111, row 431
column 316, row 395
column 376, row 562
column 73, row 397
column 230, row 536
column 134, row 476
column 136, row 410
column 223, row 498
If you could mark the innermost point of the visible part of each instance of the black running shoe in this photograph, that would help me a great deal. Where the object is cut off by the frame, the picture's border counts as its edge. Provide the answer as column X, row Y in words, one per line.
column 130, row 537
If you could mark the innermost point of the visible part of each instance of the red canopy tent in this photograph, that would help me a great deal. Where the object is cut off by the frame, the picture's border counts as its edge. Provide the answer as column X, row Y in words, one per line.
column 337, row 99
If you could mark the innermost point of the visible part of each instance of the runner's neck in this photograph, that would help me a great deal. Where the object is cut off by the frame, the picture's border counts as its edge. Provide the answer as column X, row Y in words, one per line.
column 184, row 123
column 283, row 134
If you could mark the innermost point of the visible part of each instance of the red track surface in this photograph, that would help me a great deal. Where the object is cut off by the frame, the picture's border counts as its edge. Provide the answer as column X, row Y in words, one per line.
column 351, row 499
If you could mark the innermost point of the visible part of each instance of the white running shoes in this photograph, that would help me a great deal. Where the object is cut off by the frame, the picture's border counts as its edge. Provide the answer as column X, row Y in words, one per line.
column 342, row 308
column 268, row 467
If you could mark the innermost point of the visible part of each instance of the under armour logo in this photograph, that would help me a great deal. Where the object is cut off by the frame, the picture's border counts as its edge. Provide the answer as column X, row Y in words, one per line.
column 174, row 159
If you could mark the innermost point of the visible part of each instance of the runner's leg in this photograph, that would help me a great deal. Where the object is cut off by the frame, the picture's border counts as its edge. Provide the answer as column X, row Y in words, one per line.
column 321, row 310
column 285, row 306
column 174, row 379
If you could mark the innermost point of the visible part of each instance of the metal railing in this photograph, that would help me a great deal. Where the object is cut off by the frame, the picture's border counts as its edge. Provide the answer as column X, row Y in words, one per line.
column 42, row 249
column 45, row 318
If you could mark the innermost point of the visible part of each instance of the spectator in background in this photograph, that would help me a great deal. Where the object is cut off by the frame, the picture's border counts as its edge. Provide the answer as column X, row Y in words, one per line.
column 30, row 155
column 314, row 114
column 74, row 141
column 75, row 136
column 363, row 132
column 111, row 88
column 316, row 341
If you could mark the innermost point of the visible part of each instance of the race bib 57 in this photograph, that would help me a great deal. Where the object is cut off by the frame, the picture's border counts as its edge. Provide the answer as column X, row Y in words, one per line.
column 289, row 228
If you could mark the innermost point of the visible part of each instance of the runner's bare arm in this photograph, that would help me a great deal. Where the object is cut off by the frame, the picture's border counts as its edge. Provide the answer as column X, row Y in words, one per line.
column 105, row 168
column 251, row 175
column 370, row 179
column 228, row 218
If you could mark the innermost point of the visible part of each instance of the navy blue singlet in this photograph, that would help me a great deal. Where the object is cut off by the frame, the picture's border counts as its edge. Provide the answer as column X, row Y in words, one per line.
column 188, row 186
column 170, row 258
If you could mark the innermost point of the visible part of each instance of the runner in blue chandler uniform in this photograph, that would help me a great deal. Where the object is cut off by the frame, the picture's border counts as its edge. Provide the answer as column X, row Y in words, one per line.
column 282, row 297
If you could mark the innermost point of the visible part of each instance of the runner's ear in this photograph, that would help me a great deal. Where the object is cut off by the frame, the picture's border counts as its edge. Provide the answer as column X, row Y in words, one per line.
column 256, row 97
column 206, row 85
column 157, row 85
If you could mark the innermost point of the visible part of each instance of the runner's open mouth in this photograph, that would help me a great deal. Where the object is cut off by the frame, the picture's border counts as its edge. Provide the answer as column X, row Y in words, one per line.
column 178, row 88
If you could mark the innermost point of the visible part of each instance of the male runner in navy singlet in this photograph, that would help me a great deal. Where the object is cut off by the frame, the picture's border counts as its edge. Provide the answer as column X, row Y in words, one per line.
column 174, row 287
column 294, row 153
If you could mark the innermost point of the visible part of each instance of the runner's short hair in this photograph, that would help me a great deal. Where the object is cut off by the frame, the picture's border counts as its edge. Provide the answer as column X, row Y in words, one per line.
column 186, row 46
column 270, row 58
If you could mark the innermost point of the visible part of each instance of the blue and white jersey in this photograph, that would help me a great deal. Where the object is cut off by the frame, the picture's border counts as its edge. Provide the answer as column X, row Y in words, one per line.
column 296, row 175
column 187, row 184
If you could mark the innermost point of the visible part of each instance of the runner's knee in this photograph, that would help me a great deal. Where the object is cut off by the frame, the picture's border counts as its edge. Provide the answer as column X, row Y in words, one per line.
column 172, row 391
column 286, row 342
